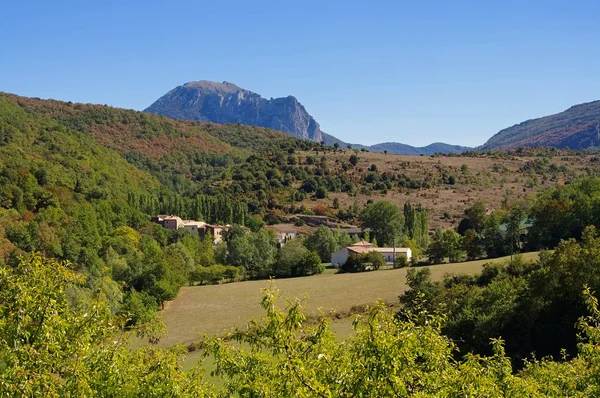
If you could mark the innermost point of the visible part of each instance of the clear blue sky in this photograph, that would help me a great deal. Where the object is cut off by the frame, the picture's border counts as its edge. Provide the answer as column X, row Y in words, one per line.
column 409, row 71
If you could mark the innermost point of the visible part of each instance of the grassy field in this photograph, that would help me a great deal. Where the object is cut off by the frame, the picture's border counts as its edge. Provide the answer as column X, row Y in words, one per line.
column 214, row 309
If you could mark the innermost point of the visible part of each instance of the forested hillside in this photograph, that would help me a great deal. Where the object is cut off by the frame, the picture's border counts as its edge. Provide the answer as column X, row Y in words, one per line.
column 71, row 190
column 81, row 182
column 577, row 128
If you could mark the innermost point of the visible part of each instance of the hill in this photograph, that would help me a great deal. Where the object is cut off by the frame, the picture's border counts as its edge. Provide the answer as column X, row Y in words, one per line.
column 174, row 151
column 576, row 128
column 53, row 161
column 277, row 176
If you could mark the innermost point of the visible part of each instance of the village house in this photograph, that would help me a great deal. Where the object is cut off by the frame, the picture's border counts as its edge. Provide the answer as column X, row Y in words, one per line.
column 199, row 228
column 194, row 227
column 216, row 231
column 169, row 221
column 285, row 232
column 390, row 253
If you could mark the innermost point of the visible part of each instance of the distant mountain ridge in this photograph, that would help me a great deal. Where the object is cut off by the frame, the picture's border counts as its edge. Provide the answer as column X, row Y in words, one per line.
column 228, row 103
column 403, row 149
column 576, row 128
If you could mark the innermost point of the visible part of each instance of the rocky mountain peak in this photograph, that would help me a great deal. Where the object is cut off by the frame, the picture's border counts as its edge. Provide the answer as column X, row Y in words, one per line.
column 228, row 103
column 210, row 86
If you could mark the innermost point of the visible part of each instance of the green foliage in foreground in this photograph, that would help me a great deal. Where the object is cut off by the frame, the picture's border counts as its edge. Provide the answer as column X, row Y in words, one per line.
column 387, row 357
column 532, row 306
column 51, row 349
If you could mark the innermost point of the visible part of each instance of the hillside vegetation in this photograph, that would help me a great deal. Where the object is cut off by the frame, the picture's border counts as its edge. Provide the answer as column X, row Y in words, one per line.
column 578, row 127
column 278, row 176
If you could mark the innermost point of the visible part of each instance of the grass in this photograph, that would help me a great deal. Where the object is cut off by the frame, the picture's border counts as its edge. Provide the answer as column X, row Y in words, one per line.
column 214, row 309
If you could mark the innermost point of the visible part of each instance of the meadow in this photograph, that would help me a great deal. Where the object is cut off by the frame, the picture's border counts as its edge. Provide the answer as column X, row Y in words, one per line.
column 214, row 309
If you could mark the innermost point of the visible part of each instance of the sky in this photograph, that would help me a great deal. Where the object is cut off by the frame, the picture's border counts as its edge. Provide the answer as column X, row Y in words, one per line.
column 414, row 72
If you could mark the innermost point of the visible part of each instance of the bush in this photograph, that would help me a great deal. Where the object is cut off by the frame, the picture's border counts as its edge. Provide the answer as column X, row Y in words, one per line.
column 215, row 274
column 321, row 193
column 359, row 262
column 401, row 261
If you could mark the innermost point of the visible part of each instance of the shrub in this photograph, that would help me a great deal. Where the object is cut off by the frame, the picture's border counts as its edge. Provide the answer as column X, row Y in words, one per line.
column 401, row 261
column 364, row 262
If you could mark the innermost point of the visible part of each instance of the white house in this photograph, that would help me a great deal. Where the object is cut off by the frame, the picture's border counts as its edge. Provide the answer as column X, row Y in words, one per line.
column 339, row 257
column 391, row 253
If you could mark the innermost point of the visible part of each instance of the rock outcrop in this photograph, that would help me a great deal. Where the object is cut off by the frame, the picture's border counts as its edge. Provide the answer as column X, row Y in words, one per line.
column 227, row 103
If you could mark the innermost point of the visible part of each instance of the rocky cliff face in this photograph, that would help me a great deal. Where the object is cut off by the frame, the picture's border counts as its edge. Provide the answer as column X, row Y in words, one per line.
column 227, row 103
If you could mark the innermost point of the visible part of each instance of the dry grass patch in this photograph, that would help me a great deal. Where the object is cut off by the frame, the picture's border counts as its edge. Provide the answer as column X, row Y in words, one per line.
column 489, row 179
column 215, row 309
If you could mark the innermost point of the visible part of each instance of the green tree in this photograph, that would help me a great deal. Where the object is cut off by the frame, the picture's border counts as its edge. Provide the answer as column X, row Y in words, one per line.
column 336, row 203
column 446, row 243
column 309, row 264
column 472, row 245
column 385, row 221
column 254, row 222
column 53, row 349
column 494, row 242
column 321, row 193
column 288, row 258
column 360, row 262
column 452, row 245
column 475, row 217
column 323, row 242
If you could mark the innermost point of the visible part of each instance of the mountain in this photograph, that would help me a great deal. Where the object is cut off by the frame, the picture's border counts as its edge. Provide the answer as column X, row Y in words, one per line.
column 227, row 103
column 576, row 128
column 403, row 149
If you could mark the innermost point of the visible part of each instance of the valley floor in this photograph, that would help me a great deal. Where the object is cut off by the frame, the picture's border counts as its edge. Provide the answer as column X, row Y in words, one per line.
column 213, row 309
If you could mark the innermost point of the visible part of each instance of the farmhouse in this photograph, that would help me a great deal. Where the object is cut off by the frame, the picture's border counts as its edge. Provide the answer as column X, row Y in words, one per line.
column 390, row 253
column 169, row 221
column 195, row 227
column 199, row 228
column 285, row 232
column 216, row 231
column 339, row 257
